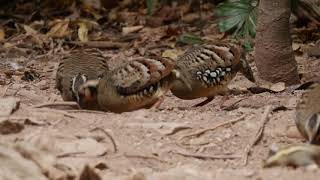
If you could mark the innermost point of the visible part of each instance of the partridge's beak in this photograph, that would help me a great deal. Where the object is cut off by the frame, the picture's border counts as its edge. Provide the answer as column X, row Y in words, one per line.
column 178, row 76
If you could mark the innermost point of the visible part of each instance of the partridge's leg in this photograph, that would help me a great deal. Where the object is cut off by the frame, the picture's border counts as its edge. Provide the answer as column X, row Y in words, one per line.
column 209, row 99
column 158, row 103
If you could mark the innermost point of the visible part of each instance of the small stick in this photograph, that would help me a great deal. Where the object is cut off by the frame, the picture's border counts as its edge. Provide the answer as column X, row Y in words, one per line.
column 115, row 149
column 100, row 44
column 56, row 111
column 200, row 132
column 66, row 103
column 6, row 90
column 204, row 156
column 143, row 157
column 69, row 154
column 258, row 134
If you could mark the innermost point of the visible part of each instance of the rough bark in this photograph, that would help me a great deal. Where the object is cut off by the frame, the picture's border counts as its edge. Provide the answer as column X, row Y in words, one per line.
column 273, row 50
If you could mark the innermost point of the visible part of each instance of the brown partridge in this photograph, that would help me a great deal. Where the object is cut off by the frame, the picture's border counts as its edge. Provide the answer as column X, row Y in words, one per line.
column 75, row 69
column 308, row 115
column 139, row 83
column 207, row 70
column 295, row 155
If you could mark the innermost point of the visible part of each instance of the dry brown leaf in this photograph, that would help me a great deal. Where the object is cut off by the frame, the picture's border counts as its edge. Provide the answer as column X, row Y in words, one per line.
column 59, row 29
column 8, row 105
column 278, row 87
column 83, row 147
column 15, row 167
column 89, row 173
column 8, row 45
column 296, row 46
column 131, row 29
column 29, row 30
column 2, row 34
column 83, row 32
column 92, row 7
column 170, row 54
column 40, row 148
column 9, row 127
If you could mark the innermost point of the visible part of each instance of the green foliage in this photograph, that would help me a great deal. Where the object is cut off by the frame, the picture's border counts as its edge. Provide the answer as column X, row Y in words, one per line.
column 190, row 39
column 150, row 6
column 238, row 16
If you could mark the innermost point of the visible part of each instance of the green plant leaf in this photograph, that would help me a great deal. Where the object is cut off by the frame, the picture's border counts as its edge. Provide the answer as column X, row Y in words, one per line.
column 239, row 17
column 150, row 4
column 190, row 39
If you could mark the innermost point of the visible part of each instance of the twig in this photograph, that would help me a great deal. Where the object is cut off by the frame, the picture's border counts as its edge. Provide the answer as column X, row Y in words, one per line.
column 6, row 90
column 204, row 156
column 66, row 103
column 69, row 154
column 100, row 44
column 55, row 111
column 115, row 149
column 143, row 157
column 200, row 132
column 258, row 134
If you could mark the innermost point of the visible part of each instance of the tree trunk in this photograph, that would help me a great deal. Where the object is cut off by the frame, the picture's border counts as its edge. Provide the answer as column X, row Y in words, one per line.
column 273, row 50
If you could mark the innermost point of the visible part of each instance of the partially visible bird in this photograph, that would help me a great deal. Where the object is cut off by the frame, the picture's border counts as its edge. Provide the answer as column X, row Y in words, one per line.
column 207, row 70
column 75, row 69
column 308, row 115
column 294, row 155
column 139, row 83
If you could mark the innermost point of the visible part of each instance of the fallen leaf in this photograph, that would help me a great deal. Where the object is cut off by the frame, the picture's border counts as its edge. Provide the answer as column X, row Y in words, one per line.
column 92, row 7
column 278, row 87
column 84, row 146
column 83, row 32
column 2, row 34
column 15, row 167
column 190, row 39
column 170, row 54
column 8, row 105
column 296, row 46
column 59, row 29
column 9, row 127
column 191, row 17
column 163, row 128
column 89, row 173
column 29, row 30
column 270, row 87
column 131, row 29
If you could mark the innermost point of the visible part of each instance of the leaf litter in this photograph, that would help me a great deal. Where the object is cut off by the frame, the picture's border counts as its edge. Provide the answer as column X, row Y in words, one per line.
column 79, row 144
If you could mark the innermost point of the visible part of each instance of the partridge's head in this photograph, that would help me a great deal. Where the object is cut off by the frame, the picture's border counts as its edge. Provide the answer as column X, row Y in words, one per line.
column 313, row 128
column 76, row 82
column 87, row 94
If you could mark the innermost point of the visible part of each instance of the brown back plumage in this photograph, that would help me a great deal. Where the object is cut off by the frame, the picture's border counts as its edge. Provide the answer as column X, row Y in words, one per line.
column 136, row 84
column 207, row 69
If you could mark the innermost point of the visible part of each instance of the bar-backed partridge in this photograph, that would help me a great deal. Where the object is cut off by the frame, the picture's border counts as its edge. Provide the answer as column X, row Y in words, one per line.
column 75, row 69
column 308, row 115
column 139, row 83
column 208, row 69
column 294, row 155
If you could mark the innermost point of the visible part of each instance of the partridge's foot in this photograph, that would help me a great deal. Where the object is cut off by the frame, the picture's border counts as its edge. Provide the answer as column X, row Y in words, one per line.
column 158, row 103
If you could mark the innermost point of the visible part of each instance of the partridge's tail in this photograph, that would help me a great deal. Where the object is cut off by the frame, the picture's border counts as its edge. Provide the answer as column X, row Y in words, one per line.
column 246, row 70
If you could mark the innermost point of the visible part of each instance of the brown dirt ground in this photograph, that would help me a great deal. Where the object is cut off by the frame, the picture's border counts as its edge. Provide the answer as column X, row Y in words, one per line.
column 149, row 141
